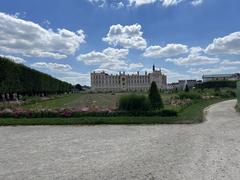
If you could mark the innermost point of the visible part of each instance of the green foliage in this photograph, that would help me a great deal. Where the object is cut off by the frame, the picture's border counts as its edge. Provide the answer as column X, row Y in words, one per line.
column 78, row 87
column 217, row 84
column 17, row 78
column 186, row 88
column 134, row 102
column 228, row 94
column 68, row 113
column 238, row 93
column 154, row 97
column 189, row 95
column 191, row 114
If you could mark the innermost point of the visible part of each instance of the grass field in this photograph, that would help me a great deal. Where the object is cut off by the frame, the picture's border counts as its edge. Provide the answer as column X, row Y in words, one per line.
column 77, row 100
column 191, row 114
column 101, row 100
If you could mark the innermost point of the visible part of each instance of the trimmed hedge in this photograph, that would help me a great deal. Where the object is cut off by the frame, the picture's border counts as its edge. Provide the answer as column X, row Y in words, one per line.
column 17, row 78
column 66, row 114
column 238, row 93
column 217, row 84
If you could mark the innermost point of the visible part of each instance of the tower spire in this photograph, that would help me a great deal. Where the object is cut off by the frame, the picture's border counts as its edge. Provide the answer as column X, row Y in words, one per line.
column 153, row 67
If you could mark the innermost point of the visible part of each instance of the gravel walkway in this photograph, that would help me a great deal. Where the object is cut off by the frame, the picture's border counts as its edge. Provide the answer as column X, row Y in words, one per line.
column 210, row 150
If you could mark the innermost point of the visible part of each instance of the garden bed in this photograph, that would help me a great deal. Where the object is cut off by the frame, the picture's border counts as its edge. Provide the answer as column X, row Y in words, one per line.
column 189, row 115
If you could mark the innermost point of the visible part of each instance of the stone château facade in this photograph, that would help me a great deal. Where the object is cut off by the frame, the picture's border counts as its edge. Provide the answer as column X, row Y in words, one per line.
column 103, row 82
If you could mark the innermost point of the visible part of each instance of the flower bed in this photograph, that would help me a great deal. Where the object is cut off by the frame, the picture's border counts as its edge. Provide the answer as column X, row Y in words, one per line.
column 64, row 112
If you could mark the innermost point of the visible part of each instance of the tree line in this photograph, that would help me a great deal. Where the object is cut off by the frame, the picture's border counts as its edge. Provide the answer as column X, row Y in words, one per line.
column 217, row 84
column 19, row 79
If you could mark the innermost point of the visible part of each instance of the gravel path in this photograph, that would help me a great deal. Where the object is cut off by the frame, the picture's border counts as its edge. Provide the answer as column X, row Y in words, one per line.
column 210, row 150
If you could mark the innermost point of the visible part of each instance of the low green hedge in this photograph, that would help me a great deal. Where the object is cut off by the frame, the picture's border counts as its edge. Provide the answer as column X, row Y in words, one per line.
column 51, row 114
column 238, row 94
column 217, row 84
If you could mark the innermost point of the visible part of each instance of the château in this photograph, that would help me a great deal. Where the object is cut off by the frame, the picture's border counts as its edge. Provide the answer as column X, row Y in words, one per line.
column 103, row 82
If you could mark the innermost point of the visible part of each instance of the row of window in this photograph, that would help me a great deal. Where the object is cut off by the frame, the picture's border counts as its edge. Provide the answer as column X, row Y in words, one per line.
column 117, row 81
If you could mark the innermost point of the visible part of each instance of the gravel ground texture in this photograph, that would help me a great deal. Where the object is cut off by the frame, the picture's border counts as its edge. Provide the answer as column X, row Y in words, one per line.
column 210, row 150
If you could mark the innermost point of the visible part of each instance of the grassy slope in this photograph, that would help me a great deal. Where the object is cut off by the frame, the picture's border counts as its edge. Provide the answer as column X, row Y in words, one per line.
column 191, row 114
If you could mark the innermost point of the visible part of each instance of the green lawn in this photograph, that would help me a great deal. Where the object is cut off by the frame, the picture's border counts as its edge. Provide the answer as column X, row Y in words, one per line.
column 76, row 100
column 191, row 114
column 101, row 100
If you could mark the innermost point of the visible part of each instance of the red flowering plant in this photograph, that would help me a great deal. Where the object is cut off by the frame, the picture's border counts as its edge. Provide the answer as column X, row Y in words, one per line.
column 18, row 112
column 64, row 112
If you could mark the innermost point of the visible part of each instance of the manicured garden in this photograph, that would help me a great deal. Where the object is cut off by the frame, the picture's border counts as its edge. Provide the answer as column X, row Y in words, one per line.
column 188, row 115
column 168, row 107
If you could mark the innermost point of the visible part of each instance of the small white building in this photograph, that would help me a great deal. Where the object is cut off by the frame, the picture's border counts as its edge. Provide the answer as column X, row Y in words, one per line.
column 103, row 82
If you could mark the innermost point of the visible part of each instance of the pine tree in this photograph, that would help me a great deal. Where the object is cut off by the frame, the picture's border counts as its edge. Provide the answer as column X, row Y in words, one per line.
column 154, row 97
column 186, row 88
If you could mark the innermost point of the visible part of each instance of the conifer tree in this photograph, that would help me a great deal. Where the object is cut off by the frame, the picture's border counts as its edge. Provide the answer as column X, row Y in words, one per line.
column 186, row 88
column 155, row 97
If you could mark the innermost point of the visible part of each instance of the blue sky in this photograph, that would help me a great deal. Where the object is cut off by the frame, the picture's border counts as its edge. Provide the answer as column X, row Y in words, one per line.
column 69, row 39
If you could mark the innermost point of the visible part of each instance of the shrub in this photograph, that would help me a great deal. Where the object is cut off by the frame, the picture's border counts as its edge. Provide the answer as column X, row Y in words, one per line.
column 134, row 102
column 238, row 94
column 217, row 84
column 186, row 88
column 189, row 95
column 154, row 97
column 228, row 94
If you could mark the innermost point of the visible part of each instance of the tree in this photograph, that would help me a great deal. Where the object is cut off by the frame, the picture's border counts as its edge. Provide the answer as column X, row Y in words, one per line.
column 186, row 88
column 155, row 97
column 78, row 87
column 20, row 79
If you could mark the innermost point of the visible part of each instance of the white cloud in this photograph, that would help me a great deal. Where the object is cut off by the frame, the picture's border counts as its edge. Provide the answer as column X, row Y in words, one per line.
column 229, row 44
column 109, row 55
column 14, row 58
column 30, row 39
column 229, row 62
column 119, row 5
column 174, row 76
column 137, row 3
column 76, row 77
column 165, row 3
column 193, row 59
column 109, row 59
column 213, row 70
column 126, row 36
column 52, row 66
column 197, row 2
column 169, row 50
column 99, row 3
column 135, row 65
column 196, row 50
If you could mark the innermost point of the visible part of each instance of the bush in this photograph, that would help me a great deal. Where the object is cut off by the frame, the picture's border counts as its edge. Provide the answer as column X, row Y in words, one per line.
column 189, row 95
column 154, row 97
column 186, row 88
column 228, row 94
column 134, row 102
column 238, row 94
column 217, row 84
